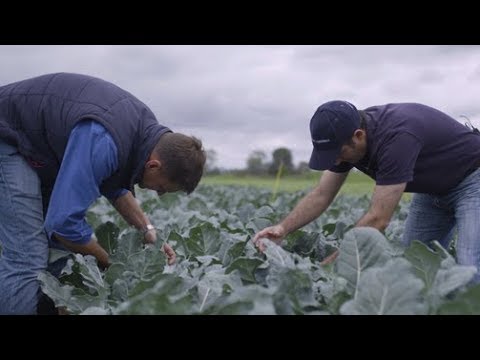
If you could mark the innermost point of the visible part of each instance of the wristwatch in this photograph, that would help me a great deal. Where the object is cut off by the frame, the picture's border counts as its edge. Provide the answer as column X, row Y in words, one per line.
column 147, row 228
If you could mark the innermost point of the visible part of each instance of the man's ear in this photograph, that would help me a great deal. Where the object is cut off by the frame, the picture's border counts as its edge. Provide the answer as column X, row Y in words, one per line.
column 153, row 164
column 359, row 134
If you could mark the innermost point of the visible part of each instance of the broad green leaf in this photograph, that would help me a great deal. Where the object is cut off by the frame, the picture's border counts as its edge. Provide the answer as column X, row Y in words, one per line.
column 467, row 303
column 74, row 299
column 452, row 278
column 425, row 262
column 91, row 274
column 93, row 310
column 203, row 240
column 294, row 293
column 329, row 229
column 107, row 235
column 392, row 289
column 166, row 295
column 449, row 278
column 147, row 263
column 213, row 284
column 362, row 247
column 246, row 300
column 114, row 272
column 207, row 260
column 128, row 244
column 277, row 256
column 232, row 249
column 246, row 267
column 119, row 290
column 302, row 242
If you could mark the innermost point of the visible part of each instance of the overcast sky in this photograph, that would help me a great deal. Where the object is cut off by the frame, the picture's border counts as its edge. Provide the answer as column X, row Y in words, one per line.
column 238, row 99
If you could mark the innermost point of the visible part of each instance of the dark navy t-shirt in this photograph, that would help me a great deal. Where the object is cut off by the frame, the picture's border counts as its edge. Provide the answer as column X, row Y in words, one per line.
column 419, row 145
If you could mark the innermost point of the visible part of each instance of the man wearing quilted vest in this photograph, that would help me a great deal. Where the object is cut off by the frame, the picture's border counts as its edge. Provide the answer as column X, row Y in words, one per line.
column 65, row 140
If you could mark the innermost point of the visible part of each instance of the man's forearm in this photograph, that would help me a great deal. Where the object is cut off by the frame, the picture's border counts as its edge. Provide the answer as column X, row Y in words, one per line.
column 316, row 202
column 91, row 248
column 129, row 209
column 384, row 201
column 371, row 220
column 307, row 210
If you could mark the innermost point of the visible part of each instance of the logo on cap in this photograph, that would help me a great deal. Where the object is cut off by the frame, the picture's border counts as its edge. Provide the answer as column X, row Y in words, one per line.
column 320, row 141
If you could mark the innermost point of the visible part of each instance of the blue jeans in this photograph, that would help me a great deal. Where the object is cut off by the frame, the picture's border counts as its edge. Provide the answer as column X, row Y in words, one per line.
column 22, row 237
column 437, row 217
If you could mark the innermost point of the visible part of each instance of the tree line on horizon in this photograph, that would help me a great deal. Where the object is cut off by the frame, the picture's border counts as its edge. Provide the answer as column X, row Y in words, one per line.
column 259, row 164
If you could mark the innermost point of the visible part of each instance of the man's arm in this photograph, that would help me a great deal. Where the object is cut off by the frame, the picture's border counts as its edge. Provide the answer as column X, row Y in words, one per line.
column 315, row 202
column 307, row 210
column 384, row 201
column 90, row 157
column 128, row 207
column 90, row 248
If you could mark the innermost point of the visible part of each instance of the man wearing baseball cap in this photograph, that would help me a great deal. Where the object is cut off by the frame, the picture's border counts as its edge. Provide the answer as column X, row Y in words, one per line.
column 404, row 147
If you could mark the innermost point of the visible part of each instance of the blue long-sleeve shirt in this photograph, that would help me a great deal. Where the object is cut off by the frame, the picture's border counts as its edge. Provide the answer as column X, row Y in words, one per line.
column 90, row 157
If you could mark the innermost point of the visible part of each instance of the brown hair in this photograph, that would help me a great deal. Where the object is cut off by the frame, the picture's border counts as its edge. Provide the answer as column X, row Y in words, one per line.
column 183, row 158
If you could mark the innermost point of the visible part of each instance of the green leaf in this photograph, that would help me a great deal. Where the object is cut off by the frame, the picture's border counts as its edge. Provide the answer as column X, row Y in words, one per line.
column 246, row 267
column 467, row 303
column 203, row 240
column 147, row 263
column 362, row 247
column 212, row 286
column 114, row 272
column 246, row 300
column 449, row 278
column 294, row 293
column 91, row 275
column 425, row 262
column 107, row 235
column 388, row 290
column 166, row 294
column 129, row 244
column 329, row 229
column 231, row 249
column 74, row 299
column 94, row 310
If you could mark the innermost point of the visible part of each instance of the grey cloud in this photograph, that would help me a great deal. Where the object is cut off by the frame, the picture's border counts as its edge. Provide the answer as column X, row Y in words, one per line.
column 242, row 98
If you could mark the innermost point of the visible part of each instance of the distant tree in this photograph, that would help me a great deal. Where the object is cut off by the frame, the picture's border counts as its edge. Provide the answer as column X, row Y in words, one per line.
column 210, row 164
column 303, row 167
column 279, row 156
column 256, row 162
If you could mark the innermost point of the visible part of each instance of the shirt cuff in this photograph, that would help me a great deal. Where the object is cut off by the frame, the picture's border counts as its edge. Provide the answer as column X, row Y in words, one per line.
column 80, row 239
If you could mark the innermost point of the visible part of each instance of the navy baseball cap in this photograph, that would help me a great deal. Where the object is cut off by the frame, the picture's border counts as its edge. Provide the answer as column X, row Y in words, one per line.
column 332, row 125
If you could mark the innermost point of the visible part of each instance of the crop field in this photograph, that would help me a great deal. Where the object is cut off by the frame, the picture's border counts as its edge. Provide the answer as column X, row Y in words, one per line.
column 356, row 183
column 218, row 270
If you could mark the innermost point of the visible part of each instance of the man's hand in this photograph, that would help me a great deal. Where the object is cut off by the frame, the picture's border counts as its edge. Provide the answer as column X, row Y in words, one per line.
column 171, row 256
column 274, row 233
column 91, row 248
column 150, row 237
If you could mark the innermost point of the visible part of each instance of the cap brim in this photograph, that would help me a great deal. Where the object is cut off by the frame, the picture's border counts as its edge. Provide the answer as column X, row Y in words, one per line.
column 323, row 160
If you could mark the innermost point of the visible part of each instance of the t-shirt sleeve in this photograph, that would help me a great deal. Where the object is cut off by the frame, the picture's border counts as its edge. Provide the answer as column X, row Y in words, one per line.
column 114, row 194
column 341, row 168
column 396, row 159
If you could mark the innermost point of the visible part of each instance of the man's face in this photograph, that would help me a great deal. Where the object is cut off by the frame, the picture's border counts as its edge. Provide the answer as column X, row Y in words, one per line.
column 354, row 152
column 154, row 178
